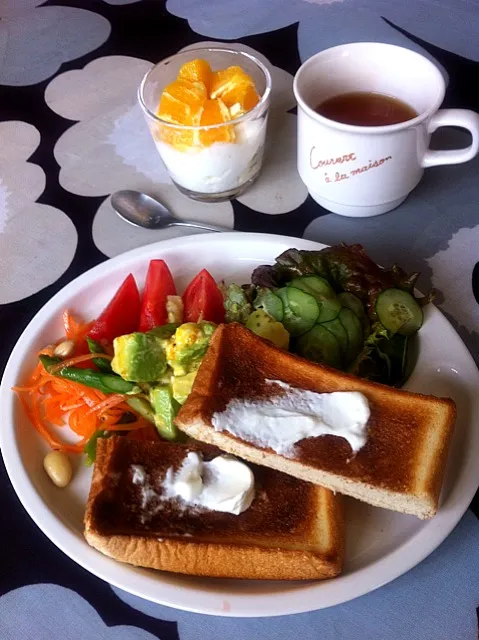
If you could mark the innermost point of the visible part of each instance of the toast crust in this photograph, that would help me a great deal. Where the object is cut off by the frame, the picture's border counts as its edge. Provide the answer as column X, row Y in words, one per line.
column 400, row 467
column 292, row 531
column 214, row 560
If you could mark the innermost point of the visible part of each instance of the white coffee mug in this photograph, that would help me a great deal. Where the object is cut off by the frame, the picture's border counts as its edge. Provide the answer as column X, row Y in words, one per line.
column 364, row 171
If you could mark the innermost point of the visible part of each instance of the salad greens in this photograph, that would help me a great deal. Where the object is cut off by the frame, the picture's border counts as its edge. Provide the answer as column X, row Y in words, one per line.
column 345, row 267
column 237, row 302
column 339, row 308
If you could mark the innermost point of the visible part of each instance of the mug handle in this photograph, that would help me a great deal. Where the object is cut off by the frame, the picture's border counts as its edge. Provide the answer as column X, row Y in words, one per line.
column 463, row 118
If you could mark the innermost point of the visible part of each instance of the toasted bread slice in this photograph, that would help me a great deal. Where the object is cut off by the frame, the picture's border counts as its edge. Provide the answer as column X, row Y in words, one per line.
column 400, row 467
column 292, row 531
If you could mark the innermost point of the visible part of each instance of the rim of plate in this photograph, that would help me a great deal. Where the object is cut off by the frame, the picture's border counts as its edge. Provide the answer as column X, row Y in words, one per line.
column 289, row 597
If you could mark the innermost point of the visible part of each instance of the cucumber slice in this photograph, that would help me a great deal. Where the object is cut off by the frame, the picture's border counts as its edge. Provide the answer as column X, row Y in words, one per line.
column 319, row 345
column 354, row 329
column 329, row 306
column 340, row 333
column 352, row 302
column 270, row 303
column 300, row 310
column 329, row 309
column 315, row 285
column 399, row 312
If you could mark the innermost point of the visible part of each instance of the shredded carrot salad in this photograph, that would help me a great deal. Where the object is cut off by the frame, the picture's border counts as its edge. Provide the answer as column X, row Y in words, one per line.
column 52, row 400
column 74, row 329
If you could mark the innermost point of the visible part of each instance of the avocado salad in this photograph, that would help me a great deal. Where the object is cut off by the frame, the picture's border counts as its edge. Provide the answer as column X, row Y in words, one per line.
column 130, row 370
column 163, row 363
column 156, row 369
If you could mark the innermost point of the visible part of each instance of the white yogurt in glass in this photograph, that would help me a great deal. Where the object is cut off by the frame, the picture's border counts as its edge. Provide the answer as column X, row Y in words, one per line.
column 221, row 170
column 221, row 167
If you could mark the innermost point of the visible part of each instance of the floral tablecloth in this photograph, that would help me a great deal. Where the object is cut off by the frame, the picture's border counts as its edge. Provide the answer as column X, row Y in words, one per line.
column 71, row 133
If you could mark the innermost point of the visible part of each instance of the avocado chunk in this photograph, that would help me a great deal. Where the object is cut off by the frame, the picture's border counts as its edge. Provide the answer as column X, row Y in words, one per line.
column 139, row 357
column 181, row 386
column 265, row 326
column 165, row 408
column 188, row 346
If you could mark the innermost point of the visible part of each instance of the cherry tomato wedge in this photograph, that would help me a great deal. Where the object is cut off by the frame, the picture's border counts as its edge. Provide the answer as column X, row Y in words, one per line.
column 159, row 285
column 122, row 314
column 203, row 300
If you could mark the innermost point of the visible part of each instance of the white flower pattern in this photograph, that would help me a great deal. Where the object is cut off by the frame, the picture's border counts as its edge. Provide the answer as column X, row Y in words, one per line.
column 30, row 233
column 326, row 23
column 43, row 601
column 30, row 35
column 459, row 258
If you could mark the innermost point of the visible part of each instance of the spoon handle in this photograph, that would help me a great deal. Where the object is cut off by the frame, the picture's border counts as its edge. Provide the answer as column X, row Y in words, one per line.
column 200, row 225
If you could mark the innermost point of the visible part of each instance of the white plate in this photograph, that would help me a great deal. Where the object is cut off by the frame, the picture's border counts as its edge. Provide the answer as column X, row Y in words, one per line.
column 382, row 545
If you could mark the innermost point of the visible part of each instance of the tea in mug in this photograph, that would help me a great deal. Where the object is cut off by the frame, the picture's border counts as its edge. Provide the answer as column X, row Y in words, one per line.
column 366, row 109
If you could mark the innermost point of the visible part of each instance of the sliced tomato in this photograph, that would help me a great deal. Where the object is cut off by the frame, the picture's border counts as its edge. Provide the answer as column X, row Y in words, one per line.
column 122, row 314
column 203, row 300
column 159, row 285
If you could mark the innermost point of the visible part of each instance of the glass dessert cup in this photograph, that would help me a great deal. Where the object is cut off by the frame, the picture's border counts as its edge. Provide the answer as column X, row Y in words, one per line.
column 216, row 162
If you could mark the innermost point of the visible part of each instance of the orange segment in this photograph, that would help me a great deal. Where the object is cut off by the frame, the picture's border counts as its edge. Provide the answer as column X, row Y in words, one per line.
column 201, row 97
column 241, row 100
column 178, row 138
column 182, row 139
column 196, row 71
column 215, row 112
column 226, row 80
column 173, row 110
column 181, row 102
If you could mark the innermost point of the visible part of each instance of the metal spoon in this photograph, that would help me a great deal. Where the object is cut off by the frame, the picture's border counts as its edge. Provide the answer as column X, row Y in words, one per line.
column 144, row 211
